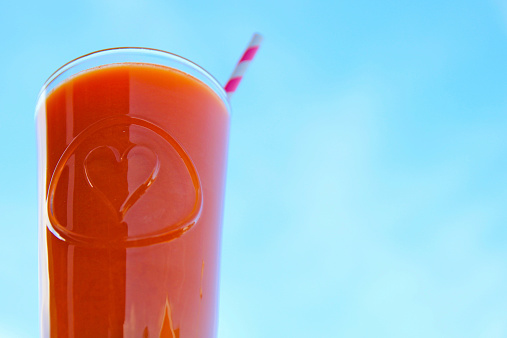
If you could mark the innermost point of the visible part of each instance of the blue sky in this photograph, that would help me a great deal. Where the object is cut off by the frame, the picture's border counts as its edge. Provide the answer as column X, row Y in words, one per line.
column 367, row 184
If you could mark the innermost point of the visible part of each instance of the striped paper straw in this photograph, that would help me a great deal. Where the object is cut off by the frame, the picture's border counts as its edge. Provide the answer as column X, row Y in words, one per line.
column 242, row 65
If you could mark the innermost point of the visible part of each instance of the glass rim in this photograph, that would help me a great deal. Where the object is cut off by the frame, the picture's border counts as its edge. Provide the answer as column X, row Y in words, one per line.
column 212, row 83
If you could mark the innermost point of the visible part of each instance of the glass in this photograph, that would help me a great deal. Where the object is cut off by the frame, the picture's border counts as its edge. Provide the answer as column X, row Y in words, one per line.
column 132, row 156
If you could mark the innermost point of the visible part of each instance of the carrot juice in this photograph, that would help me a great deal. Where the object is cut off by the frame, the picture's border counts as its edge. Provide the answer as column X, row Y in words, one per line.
column 132, row 160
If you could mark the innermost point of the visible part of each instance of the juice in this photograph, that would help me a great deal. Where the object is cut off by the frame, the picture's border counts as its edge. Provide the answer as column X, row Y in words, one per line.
column 133, row 176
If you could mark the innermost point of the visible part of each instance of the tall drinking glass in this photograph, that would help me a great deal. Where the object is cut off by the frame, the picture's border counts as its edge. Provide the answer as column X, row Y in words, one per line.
column 132, row 158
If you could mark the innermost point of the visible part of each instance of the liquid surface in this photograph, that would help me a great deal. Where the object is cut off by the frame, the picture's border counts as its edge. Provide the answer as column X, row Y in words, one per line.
column 135, row 162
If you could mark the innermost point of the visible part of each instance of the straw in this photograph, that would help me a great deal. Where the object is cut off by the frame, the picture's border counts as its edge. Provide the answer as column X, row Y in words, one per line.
column 242, row 65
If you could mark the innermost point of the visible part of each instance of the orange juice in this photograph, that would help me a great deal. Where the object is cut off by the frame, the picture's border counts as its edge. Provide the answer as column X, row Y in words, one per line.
column 133, row 178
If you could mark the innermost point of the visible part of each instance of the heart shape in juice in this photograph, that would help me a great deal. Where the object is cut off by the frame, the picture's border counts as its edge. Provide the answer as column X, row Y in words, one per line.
column 107, row 171
column 131, row 183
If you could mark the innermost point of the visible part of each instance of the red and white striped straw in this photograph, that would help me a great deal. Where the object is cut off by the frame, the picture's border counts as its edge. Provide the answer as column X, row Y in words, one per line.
column 242, row 65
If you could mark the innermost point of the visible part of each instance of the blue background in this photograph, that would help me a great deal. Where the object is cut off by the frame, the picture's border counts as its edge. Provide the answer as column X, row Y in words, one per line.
column 367, row 180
